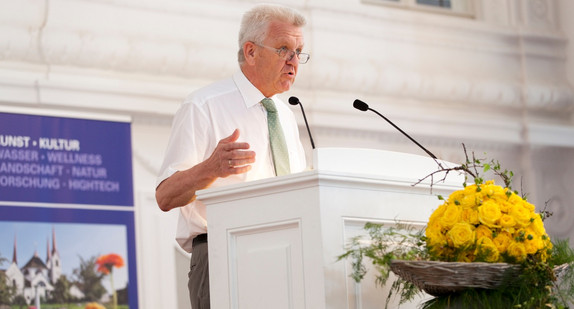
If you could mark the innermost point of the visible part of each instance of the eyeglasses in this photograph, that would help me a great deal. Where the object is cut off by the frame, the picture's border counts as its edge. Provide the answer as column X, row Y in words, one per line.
column 288, row 54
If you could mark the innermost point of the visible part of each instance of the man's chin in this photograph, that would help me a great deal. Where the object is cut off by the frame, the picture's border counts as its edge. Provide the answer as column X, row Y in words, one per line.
column 287, row 85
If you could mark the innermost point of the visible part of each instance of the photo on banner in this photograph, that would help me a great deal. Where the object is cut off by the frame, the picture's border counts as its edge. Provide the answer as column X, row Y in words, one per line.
column 66, row 211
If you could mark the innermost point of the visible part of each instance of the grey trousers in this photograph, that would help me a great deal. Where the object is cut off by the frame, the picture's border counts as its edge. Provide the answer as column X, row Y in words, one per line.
column 198, row 283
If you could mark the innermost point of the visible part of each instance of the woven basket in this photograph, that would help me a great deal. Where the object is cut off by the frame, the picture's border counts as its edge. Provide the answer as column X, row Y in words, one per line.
column 441, row 278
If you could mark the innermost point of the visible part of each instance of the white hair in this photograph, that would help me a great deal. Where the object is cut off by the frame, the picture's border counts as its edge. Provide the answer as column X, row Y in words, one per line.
column 255, row 23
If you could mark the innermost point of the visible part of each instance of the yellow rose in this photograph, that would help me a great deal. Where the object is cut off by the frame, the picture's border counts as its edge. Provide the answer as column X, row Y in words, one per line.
column 456, row 196
column 532, row 246
column 530, row 231
column 517, row 200
column 489, row 213
column 487, row 250
column 461, row 235
column 434, row 234
column 467, row 257
column 528, row 206
column 469, row 215
column 470, row 189
column 469, row 201
column 451, row 216
column 437, row 213
column 513, row 198
column 502, row 241
column 437, row 239
column 434, row 226
column 483, row 231
column 521, row 214
column 532, row 242
column 538, row 225
column 517, row 250
column 503, row 204
column 499, row 191
column 507, row 221
column 488, row 188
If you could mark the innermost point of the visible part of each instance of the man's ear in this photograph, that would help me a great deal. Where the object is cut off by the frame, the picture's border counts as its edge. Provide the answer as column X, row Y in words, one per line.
column 249, row 52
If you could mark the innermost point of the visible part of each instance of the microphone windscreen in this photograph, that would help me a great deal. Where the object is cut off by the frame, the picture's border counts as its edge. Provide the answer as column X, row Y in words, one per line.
column 360, row 105
column 294, row 101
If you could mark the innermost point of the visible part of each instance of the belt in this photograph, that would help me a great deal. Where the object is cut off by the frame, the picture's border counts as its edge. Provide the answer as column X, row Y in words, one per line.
column 199, row 239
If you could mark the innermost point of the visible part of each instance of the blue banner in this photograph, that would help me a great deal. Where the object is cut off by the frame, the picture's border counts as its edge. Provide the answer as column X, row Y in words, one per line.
column 66, row 182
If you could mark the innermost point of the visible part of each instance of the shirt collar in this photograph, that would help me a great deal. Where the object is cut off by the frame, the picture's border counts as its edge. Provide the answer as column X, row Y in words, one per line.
column 251, row 95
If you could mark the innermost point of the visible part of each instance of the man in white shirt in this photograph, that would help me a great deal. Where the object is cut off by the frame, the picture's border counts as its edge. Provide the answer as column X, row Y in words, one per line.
column 220, row 133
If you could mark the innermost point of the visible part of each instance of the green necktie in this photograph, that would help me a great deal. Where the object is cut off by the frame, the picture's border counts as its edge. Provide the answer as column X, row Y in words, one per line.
column 277, row 139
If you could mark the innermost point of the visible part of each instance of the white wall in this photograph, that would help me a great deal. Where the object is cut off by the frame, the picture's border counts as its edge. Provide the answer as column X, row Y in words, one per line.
column 567, row 26
column 496, row 82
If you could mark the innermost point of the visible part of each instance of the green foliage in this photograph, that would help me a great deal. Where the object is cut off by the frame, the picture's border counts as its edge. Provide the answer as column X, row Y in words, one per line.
column 89, row 281
column 479, row 299
column 61, row 292
column 399, row 242
column 563, row 254
column 19, row 302
column 2, row 259
column 7, row 292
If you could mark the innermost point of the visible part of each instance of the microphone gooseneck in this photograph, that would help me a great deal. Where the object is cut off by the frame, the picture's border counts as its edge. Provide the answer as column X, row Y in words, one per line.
column 295, row 101
column 362, row 106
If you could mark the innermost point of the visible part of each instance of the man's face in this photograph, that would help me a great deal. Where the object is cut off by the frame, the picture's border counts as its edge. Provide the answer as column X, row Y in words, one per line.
column 274, row 73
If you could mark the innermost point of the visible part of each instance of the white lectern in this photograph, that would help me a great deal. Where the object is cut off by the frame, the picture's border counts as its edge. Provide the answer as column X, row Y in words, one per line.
column 274, row 243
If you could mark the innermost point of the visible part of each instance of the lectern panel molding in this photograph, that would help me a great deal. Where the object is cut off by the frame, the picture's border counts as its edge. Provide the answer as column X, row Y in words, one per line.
column 263, row 253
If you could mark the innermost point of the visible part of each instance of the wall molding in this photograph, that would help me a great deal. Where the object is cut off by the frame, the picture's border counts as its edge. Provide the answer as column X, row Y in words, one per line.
column 72, row 44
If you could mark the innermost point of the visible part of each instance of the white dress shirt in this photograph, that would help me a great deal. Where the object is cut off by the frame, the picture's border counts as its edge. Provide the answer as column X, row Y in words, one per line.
column 211, row 114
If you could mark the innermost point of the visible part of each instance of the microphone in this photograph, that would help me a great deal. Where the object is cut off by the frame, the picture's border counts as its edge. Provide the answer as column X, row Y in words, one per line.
column 362, row 106
column 295, row 101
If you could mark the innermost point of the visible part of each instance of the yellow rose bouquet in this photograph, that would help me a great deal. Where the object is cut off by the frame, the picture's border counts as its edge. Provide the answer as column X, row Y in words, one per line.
column 482, row 225
column 487, row 223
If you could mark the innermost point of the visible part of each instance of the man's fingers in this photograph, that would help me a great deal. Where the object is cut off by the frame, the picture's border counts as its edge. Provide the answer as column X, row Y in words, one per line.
column 233, row 147
column 240, row 169
column 231, row 138
column 229, row 144
column 242, row 160
column 242, row 154
column 233, row 157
